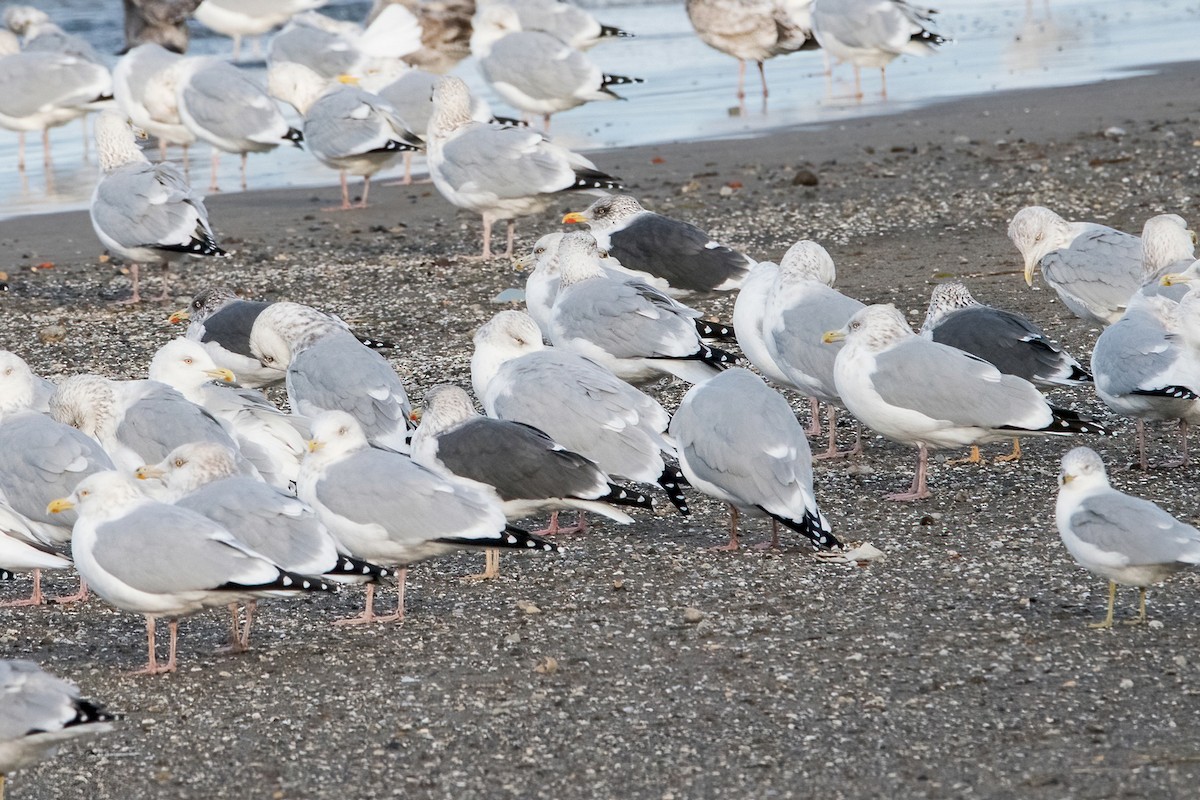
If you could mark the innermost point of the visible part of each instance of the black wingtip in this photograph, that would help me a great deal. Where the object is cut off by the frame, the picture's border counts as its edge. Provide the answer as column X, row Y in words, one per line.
column 87, row 712
column 294, row 136
column 1080, row 375
column 511, row 537
column 609, row 32
column 375, row 344
column 353, row 567
column 396, row 146
column 1064, row 420
column 620, row 496
column 284, row 581
column 672, row 482
column 1174, row 392
column 716, row 357
column 5, row 575
column 619, row 80
column 594, row 179
column 814, row 526
column 717, row 331
column 930, row 38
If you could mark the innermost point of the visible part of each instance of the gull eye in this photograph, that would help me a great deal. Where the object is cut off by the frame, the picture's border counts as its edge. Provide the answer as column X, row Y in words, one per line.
column 855, row 326
column 179, row 462
column 1038, row 238
column 342, row 431
column 84, row 493
column 187, row 360
column 197, row 304
column 8, row 371
column 268, row 359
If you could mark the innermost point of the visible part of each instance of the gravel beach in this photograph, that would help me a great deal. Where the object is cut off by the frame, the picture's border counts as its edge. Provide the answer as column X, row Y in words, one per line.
column 636, row 664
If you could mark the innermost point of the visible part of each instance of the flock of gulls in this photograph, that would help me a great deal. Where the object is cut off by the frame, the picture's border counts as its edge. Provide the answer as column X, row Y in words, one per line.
column 191, row 490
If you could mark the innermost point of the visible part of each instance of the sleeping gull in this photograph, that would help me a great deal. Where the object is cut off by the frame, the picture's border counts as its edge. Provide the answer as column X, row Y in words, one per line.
column 220, row 104
column 1092, row 268
column 872, row 33
column 926, row 394
column 328, row 369
column 345, row 127
column 38, row 714
column 801, row 306
column 271, row 440
column 161, row 560
column 626, row 325
column 749, row 310
column 577, row 402
column 42, row 35
column 567, row 22
column 1135, row 365
column 1008, row 341
column 662, row 250
column 136, row 422
column 535, row 71
column 1126, row 539
column 1168, row 248
column 739, row 442
column 203, row 477
column 145, row 212
column 42, row 90
column 384, row 507
column 753, row 30
column 498, row 172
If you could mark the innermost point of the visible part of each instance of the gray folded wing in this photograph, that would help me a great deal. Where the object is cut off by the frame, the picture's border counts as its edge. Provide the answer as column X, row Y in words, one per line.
column 1096, row 275
column 540, row 66
column 227, row 105
column 161, row 419
column 1009, row 341
column 625, row 319
column 1132, row 354
column 32, row 82
column 1136, row 530
column 504, row 163
column 149, row 205
column 793, row 338
column 678, row 252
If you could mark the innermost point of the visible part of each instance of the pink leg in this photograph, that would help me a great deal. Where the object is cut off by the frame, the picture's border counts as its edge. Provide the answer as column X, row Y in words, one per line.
column 858, row 94
column 21, row 151
column 762, row 74
column 553, row 529
column 34, row 599
column 134, row 278
column 251, row 607
column 546, row 123
column 814, row 411
column 187, row 167
column 216, row 160
column 741, row 80
column 345, row 196
column 244, row 172
column 512, row 235
column 918, row 491
column 774, row 543
column 152, row 667
column 46, row 157
column 368, row 615
column 883, row 82
column 733, row 533
column 1182, row 461
column 1141, row 444
column 366, row 190
column 78, row 597
column 831, row 451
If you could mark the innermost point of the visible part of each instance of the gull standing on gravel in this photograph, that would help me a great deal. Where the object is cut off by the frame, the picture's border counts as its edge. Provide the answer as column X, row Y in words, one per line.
column 22, row 551
column 160, row 560
column 676, row 256
column 221, row 105
column 872, row 33
column 144, row 90
column 801, row 306
column 345, row 127
column 749, row 311
column 328, row 369
column 535, row 71
column 385, row 507
column 922, row 393
column 1134, row 363
column 145, row 212
column 1128, row 540
column 577, row 402
column 1092, row 268
column 271, row 440
column 626, row 325
column 753, row 30
column 40, row 90
column 136, row 422
column 38, row 714
column 1008, row 341
column 204, row 478
column 499, row 172
column 739, row 442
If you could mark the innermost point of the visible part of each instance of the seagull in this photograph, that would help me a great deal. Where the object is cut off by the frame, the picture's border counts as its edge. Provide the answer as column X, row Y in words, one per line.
column 1126, row 539
column 626, row 325
column 577, row 402
column 1135, row 365
column 919, row 392
column 676, row 256
column 328, row 369
column 238, row 18
column 346, row 128
column 136, row 422
column 40, row 90
column 332, row 48
column 145, row 93
column 564, row 21
column 385, row 507
column 749, row 310
column 271, row 440
column 221, row 105
column 204, row 477
column 160, row 560
column 145, row 212
column 801, row 306
column 21, row 551
column 1008, row 341
column 1092, row 268
column 536, row 71
column 499, row 172
column 38, row 714
column 753, row 30
column 873, row 33
column 1168, row 247
column 739, row 442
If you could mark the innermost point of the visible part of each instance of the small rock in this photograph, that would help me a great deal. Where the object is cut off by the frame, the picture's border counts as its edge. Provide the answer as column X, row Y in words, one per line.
column 805, row 177
column 1114, row 132
column 528, row 607
column 1126, row 684
column 725, row 191
column 692, row 615
column 51, row 334
column 618, row 585
column 547, row 666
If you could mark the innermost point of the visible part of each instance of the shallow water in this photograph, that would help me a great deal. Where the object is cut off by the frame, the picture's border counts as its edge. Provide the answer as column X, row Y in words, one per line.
column 690, row 89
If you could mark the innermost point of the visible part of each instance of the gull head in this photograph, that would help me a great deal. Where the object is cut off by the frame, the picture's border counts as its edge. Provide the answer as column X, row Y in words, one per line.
column 606, row 213
column 86, row 402
column 185, row 365
column 1082, row 468
column 102, row 494
column 1036, row 231
column 445, row 406
column 874, row 328
column 944, row 299
column 451, row 107
column 190, row 466
column 115, row 142
column 544, row 256
column 17, row 384
column 335, row 434
column 206, row 303
column 807, row 261
column 578, row 258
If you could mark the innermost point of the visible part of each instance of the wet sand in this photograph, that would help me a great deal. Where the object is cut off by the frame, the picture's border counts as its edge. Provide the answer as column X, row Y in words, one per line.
column 958, row 666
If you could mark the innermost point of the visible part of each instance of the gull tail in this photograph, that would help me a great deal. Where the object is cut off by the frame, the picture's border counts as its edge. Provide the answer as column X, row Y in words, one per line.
column 294, row 136
column 619, row 80
column 813, row 526
column 672, row 482
column 283, row 581
column 620, row 496
column 593, row 179
column 1174, row 392
column 1065, row 421
column 609, row 32
column 397, row 146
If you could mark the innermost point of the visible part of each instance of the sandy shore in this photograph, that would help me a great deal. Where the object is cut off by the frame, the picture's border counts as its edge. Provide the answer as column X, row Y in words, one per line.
column 958, row 666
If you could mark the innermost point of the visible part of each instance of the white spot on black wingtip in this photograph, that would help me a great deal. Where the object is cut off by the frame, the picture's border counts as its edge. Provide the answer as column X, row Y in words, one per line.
column 508, row 537
column 305, row 585
column 286, row 581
